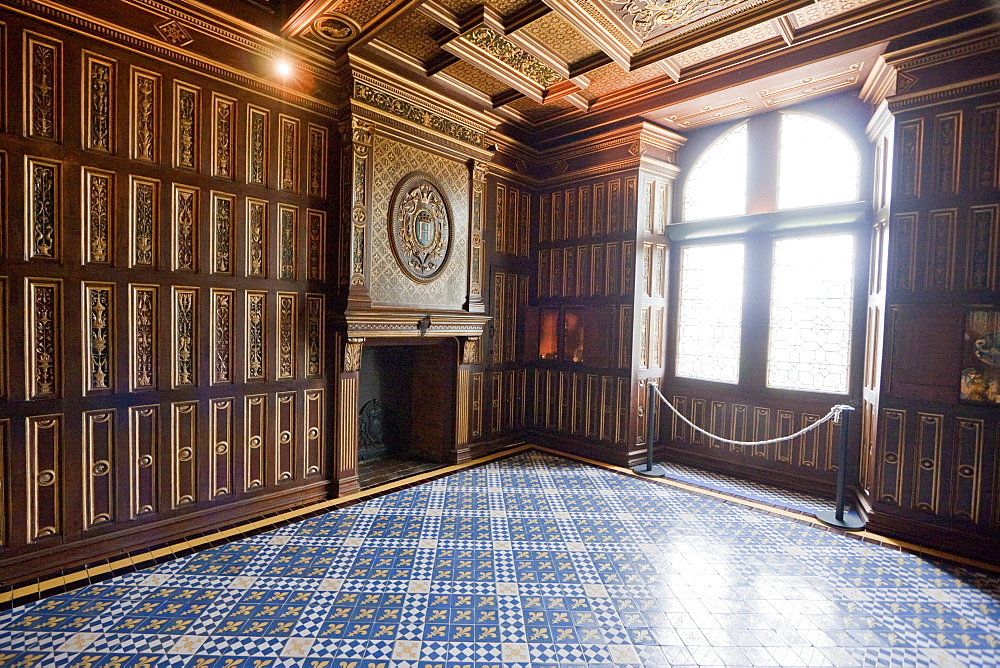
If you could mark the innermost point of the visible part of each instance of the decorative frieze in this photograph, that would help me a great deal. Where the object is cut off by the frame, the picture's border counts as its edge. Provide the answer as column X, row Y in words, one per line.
column 288, row 153
column 98, row 81
column 142, row 337
column 43, row 222
column 144, row 221
column 184, row 228
column 98, row 189
column 223, row 132
column 258, row 126
column 43, row 87
column 315, row 323
column 99, row 337
column 406, row 110
column 223, row 210
column 256, row 235
column 144, row 116
column 187, row 125
column 43, row 338
column 288, row 218
column 185, row 336
column 287, row 313
column 223, row 302
column 255, row 329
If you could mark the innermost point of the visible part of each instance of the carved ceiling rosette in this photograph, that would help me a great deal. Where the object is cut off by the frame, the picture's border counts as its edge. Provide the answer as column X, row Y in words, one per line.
column 420, row 227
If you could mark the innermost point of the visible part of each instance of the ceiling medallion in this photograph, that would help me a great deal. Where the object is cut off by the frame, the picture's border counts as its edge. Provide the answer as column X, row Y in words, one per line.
column 420, row 227
column 335, row 28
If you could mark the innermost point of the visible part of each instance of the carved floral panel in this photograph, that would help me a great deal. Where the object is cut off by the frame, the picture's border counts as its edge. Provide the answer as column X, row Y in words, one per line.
column 99, row 337
column 223, row 131
column 223, row 302
column 256, row 328
column 98, row 102
column 256, row 234
column 143, row 221
column 315, row 321
column 187, row 119
column 258, row 121
column 44, row 338
column 185, row 336
column 43, row 87
column 288, row 153
column 287, row 252
column 42, row 216
column 142, row 337
column 145, row 115
column 317, row 161
column 223, row 209
column 287, row 313
column 185, row 228
column 316, row 267
column 98, row 215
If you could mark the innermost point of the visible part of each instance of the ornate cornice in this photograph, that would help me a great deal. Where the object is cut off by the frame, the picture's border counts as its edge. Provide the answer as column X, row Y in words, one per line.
column 946, row 50
column 401, row 108
column 950, row 93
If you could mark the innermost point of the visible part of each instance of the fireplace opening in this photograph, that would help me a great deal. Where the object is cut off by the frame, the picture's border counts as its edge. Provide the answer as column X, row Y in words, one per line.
column 406, row 400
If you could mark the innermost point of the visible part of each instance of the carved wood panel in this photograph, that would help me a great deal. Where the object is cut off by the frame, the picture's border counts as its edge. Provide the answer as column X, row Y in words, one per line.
column 99, row 467
column 221, row 442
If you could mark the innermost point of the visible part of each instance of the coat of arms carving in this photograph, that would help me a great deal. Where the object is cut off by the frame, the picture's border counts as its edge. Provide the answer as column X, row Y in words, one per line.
column 420, row 227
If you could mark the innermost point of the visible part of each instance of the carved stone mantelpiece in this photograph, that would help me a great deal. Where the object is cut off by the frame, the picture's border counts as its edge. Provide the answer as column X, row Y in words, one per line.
column 409, row 323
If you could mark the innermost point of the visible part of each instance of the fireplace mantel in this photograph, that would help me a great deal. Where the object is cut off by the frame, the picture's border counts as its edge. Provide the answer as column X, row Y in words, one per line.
column 407, row 323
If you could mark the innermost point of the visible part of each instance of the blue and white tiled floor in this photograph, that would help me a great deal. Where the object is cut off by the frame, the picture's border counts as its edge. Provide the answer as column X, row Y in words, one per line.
column 529, row 561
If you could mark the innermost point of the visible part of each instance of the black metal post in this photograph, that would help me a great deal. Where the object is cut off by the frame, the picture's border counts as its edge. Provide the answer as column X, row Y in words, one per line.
column 850, row 521
column 651, row 470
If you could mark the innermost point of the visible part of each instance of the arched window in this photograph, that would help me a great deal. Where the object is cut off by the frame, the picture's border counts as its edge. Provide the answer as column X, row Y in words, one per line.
column 817, row 163
column 717, row 184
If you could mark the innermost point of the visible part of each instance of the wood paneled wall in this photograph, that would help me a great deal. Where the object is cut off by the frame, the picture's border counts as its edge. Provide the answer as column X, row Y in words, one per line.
column 163, row 306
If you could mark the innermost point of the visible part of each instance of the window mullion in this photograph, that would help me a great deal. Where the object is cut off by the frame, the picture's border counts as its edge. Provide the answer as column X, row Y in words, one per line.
column 756, row 302
column 763, row 145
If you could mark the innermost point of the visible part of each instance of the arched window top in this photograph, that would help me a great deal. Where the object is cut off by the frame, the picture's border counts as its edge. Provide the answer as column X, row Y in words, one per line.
column 717, row 184
column 818, row 163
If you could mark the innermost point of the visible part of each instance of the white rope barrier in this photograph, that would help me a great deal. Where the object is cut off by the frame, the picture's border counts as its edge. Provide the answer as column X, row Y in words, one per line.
column 834, row 415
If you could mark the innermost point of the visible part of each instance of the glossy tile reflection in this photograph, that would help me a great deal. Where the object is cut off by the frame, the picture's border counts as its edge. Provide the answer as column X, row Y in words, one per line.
column 529, row 561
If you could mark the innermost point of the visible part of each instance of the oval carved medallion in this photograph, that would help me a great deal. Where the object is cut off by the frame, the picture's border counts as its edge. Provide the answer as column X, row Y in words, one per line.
column 420, row 227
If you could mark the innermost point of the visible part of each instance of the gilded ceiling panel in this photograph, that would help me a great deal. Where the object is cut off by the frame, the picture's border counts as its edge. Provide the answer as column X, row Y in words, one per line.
column 738, row 40
column 475, row 77
column 362, row 11
column 411, row 35
column 539, row 112
column 610, row 77
column 507, row 7
column 555, row 32
column 824, row 9
column 460, row 7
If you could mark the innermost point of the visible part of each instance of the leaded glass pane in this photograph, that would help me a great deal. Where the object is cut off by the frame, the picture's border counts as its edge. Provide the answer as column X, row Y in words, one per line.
column 717, row 184
column 817, row 164
column 812, row 285
column 710, row 312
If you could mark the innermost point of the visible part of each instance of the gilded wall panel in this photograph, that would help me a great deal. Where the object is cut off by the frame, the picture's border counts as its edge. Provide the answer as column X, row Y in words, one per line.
column 644, row 338
column 4, row 353
column 255, row 435
column 927, row 467
column 572, row 226
column 656, row 337
column 4, row 508
column 741, row 421
column 761, row 431
column 315, row 339
column 184, row 332
column 223, row 136
column 717, row 422
column 967, row 479
column 986, row 172
column 556, row 273
column 43, row 338
column 579, row 403
column 393, row 162
column 142, row 337
column 289, row 130
column 256, row 330
column 184, row 228
column 597, row 272
column 144, row 444
column 317, row 161
column 187, row 125
column 288, row 222
column 44, row 434
column 476, row 423
column 698, row 416
column 939, row 273
column 98, row 188
column 286, row 314
column 284, row 427
column 144, row 221
column 909, row 154
column 42, row 207
column 144, row 115
column 223, row 211
column 496, row 410
column 558, row 217
column 183, row 451
column 500, row 219
column 624, row 414
column 569, row 272
column 314, row 421
column 947, row 152
column 542, row 279
column 981, row 257
column 612, row 269
column 583, row 277
column 316, row 255
column 809, row 443
column 624, row 337
column 524, row 225
column 892, row 425
column 785, row 426
column 98, row 467
column 593, row 406
column 99, row 337
column 628, row 268
column 902, row 236
column 544, row 218
column 220, row 460
column 223, row 309
column 256, row 235
column 258, row 130
column 98, row 99
column 43, row 87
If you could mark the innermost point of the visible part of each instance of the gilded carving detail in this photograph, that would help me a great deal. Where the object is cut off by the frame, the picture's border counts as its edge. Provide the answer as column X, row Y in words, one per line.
column 222, row 156
column 222, row 336
column 257, row 146
column 222, row 232
column 185, row 232
column 143, row 218
column 513, row 56
column 43, row 107
column 471, row 351
column 286, row 335
column 255, row 335
column 288, row 146
column 185, row 329
column 403, row 109
column 352, row 355
column 99, row 361
column 143, row 322
column 100, row 78
column 144, row 108
column 317, row 238
column 43, row 219
column 314, row 336
column 256, row 237
column 186, row 112
column 317, row 161
column 43, row 337
column 421, row 228
column 98, row 190
column 286, row 240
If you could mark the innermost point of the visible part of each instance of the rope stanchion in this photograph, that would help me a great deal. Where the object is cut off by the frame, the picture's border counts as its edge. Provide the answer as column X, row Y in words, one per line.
column 840, row 414
column 651, row 470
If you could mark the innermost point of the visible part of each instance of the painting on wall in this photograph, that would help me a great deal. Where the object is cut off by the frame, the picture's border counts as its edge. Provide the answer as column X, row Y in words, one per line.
column 981, row 358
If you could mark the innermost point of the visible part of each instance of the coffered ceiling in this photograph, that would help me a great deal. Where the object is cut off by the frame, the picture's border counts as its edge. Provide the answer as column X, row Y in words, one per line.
column 543, row 64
